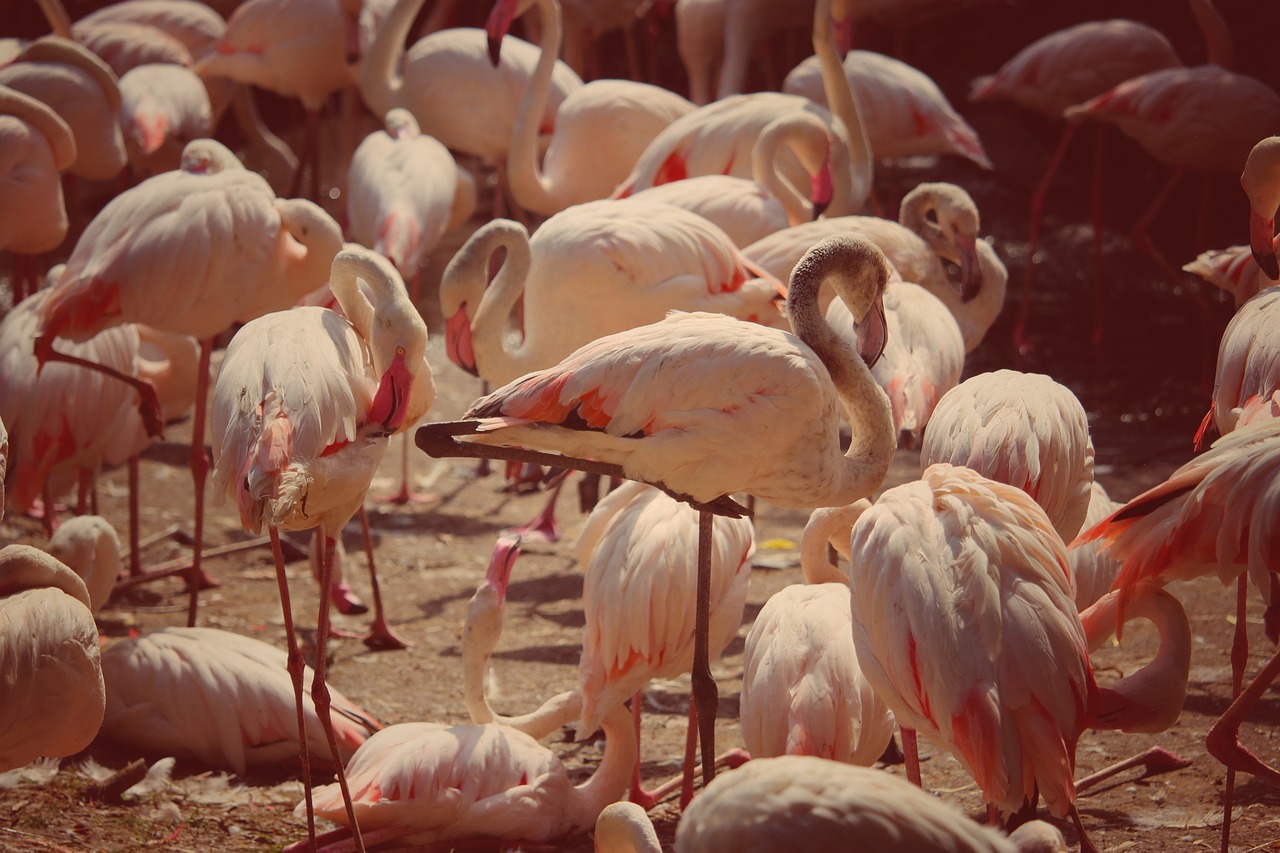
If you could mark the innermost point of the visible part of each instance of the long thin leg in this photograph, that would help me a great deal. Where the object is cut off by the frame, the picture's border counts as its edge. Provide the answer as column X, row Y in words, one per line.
column 405, row 494
column 380, row 635
column 295, row 666
column 320, row 690
column 1021, row 339
column 1223, row 740
column 1095, row 204
column 1239, row 660
column 1086, row 844
column 911, row 754
column 1155, row 760
column 690, row 752
column 135, row 547
column 148, row 403
column 199, row 470
column 705, row 696
column 638, row 794
column 542, row 527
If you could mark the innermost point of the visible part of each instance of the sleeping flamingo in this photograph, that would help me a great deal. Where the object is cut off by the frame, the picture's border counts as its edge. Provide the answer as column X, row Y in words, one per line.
column 213, row 225
column 89, row 546
column 52, row 672
column 803, row 692
column 301, row 413
column 221, row 698
column 601, row 128
column 706, row 405
column 162, row 108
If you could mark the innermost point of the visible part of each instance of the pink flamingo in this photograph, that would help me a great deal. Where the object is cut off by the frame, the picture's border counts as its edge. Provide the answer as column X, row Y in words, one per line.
column 601, row 128
column 1213, row 516
column 51, row 666
column 1247, row 379
column 770, row 802
column 89, row 546
column 218, row 697
column 39, row 147
column 250, row 254
column 1261, row 183
column 298, row 447
column 1233, row 270
column 1092, row 567
column 1022, row 429
column 162, row 108
column 191, row 23
column 905, row 112
column 1003, row 683
column 803, row 692
column 707, row 405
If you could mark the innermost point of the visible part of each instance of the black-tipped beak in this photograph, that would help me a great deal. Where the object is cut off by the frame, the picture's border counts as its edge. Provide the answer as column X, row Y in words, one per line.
column 873, row 333
column 1262, row 241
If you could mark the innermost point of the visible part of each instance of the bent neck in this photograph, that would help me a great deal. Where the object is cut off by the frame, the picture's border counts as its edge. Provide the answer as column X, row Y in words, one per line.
column 807, row 137
column 529, row 186
column 1219, row 48
column 316, row 240
column 381, row 78
column 828, row 525
column 843, row 102
column 494, row 360
column 610, row 780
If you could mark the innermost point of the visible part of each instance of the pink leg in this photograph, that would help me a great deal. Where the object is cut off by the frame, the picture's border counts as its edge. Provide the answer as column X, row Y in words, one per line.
column 706, row 697
column 49, row 515
column 1239, row 660
column 309, row 159
column 1155, row 760
column 196, row 578
column 1223, row 740
column 645, row 799
column 1086, row 845
column 135, row 558
column 84, row 487
column 690, row 756
column 295, row 667
column 320, row 690
column 380, row 635
column 1095, row 203
column 1021, row 339
column 148, row 403
column 406, row 495
column 542, row 527
column 911, row 753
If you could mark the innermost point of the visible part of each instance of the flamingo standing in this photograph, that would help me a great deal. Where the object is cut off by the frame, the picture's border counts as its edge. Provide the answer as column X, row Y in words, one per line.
column 1022, row 429
column 218, row 697
column 49, row 660
column 707, row 405
column 905, row 112
column 213, row 225
column 782, row 803
column 601, row 128
column 803, row 692
column 1213, row 516
column 301, row 412
column 38, row 147
column 1049, row 75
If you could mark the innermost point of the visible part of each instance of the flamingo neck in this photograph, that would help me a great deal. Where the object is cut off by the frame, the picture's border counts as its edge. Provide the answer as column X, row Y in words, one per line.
column 1219, row 48
column 1150, row 699
column 495, row 360
column 381, row 78
column 529, row 186
column 843, row 102
column 828, row 525
column 764, row 165
column 613, row 775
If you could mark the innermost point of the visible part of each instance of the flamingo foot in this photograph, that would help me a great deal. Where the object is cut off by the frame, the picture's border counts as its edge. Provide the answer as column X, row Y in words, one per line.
column 731, row 760
column 347, row 602
column 406, row 495
column 1155, row 760
column 380, row 636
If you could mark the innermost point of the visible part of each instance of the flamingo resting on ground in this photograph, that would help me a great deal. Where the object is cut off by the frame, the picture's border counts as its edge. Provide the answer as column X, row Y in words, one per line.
column 705, row 405
column 301, row 413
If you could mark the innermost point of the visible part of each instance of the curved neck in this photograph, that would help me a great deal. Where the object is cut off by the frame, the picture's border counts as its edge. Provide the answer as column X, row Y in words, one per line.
column 1219, row 49
column 493, row 310
column 843, row 103
column 529, row 186
column 828, row 525
column 1150, row 699
column 610, row 780
column 317, row 239
column 380, row 75
column 794, row 129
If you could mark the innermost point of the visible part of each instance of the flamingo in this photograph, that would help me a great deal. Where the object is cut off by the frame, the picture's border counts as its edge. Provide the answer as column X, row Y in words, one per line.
column 4, row 463
column 1010, row 666
column 420, row 783
column 717, row 139
column 49, row 660
column 905, row 112
column 193, row 24
column 1055, row 72
column 1092, row 567
column 1022, row 429
column 625, row 828
column 301, row 412
column 89, row 546
column 220, row 698
column 609, row 265
column 162, row 108
column 639, row 557
column 38, row 147
column 448, row 82
column 601, row 128
column 706, row 405
column 1261, row 183
column 1214, row 515
column 700, row 44
column 218, row 228
column 770, row 804
column 80, row 88
column 923, row 357
column 803, row 692
column 1247, row 379
column 750, row 209
column 1233, row 270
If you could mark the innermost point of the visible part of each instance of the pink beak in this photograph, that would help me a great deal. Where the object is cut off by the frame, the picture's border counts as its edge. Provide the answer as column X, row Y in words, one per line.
column 391, row 402
column 457, row 341
column 822, row 188
column 505, row 552
column 497, row 26
column 1262, row 236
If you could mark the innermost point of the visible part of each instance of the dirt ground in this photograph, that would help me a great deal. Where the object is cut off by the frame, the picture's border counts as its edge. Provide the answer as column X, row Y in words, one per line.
column 1144, row 389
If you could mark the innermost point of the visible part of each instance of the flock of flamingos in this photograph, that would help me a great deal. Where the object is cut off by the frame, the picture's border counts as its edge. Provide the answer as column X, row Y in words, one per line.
column 705, row 311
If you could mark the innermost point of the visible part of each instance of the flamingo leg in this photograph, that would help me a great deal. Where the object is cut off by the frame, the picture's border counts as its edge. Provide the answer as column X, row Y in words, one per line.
column 196, row 578
column 295, row 666
column 320, row 697
column 1086, row 844
column 911, row 755
column 83, row 491
column 639, row 795
column 1021, row 339
column 405, row 494
column 1223, row 740
column 1156, row 760
column 310, row 158
column 135, row 547
column 705, row 696
column 1239, row 660
column 1096, row 208
column 380, row 635
column 690, row 750
column 148, row 403
column 542, row 527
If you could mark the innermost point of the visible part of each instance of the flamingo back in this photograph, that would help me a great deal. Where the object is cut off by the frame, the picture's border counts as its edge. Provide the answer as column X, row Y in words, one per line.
column 1248, row 372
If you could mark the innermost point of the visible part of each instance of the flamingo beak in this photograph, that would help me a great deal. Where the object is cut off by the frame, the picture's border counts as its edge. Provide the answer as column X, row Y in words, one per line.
column 497, row 27
column 822, row 188
column 872, row 333
column 391, row 402
column 970, row 270
column 457, row 341
column 1262, row 235
column 505, row 552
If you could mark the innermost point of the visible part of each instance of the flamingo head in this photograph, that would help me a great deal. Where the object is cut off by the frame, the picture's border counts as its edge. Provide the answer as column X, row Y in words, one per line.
column 1262, row 242
column 457, row 338
column 873, row 332
column 505, row 552
column 497, row 26
column 822, row 188
column 1261, row 183
column 391, row 402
